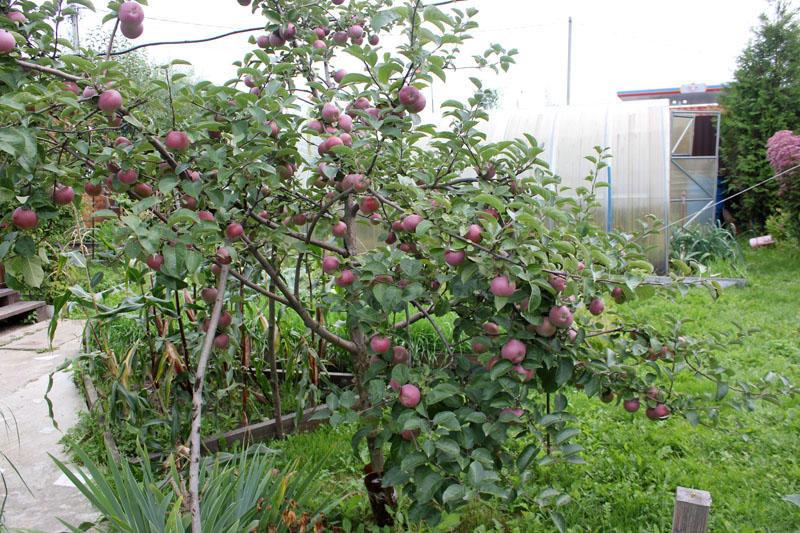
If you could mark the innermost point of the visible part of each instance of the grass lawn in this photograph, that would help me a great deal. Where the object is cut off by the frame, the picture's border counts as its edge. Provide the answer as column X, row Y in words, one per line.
column 633, row 465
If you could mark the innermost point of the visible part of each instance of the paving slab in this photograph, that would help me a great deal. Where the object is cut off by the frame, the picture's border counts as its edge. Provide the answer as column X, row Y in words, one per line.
column 25, row 364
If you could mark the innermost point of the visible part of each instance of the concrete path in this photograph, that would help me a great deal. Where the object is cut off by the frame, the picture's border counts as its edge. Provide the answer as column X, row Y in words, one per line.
column 25, row 363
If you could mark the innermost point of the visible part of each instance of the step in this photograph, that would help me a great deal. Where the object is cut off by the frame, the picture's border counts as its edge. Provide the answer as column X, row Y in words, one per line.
column 8, row 296
column 19, row 308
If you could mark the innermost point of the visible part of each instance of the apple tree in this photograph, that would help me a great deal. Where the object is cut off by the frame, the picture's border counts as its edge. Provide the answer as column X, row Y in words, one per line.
column 264, row 185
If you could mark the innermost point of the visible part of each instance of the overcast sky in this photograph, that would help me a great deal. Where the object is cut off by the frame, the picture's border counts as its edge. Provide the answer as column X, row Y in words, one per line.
column 617, row 44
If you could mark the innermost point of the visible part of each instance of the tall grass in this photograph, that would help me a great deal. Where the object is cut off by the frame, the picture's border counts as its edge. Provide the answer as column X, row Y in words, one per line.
column 242, row 492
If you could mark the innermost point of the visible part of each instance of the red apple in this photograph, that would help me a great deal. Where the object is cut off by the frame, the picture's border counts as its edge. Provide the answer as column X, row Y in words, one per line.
column 454, row 257
column 209, row 295
column 560, row 316
column 399, row 355
column 155, row 261
column 24, row 218
column 130, row 13
column 143, row 190
column 380, row 343
column 474, row 233
column 501, row 286
column 659, row 412
column 631, row 405
column 221, row 341
column 409, row 396
column 596, row 306
column 546, row 328
column 369, row 204
column 330, row 264
column 177, row 140
column 559, row 283
column 63, row 195
column 7, row 42
column 411, row 222
column 339, row 229
column 514, row 350
column 234, row 231
column 128, row 176
column 109, row 101
column 346, row 278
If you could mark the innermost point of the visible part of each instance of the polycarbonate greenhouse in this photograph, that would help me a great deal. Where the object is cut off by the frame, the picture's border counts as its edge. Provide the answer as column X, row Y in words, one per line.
column 664, row 160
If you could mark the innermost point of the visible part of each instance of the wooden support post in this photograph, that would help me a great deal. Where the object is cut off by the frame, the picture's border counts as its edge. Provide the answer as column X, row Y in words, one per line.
column 691, row 510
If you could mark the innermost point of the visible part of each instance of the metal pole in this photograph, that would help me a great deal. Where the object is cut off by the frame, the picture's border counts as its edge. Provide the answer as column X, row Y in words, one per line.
column 76, row 38
column 569, row 60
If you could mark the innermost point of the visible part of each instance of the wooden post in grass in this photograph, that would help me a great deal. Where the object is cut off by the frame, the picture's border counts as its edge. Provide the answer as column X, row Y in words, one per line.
column 691, row 510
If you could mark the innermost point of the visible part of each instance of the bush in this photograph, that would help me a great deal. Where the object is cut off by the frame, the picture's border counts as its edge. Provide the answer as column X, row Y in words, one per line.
column 702, row 244
column 783, row 152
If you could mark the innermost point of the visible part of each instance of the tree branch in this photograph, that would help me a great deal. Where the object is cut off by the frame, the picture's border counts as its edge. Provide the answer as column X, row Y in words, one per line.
column 300, row 236
column 293, row 303
column 197, row 402
column 188, row 41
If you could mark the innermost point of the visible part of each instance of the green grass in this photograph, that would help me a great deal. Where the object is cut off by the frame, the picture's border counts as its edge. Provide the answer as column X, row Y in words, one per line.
column 633, row 465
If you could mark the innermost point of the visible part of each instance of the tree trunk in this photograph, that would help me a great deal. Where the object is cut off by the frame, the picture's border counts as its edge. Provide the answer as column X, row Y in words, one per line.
column 379, row 498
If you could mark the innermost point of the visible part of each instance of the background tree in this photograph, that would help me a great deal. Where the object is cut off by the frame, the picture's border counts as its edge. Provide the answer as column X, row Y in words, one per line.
column 762, row 99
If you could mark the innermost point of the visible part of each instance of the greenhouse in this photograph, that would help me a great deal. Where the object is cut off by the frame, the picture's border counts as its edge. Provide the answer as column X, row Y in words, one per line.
column 664, row 159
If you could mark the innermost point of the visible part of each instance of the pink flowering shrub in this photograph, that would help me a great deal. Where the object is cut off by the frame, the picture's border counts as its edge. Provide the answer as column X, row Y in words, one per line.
column 783, row 153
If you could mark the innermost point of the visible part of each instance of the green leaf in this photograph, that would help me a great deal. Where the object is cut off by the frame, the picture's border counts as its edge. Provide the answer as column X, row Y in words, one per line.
column 427, row 486
column 389, row 296
column 355, row 77
column 440, row 392
column 382, row 18
column 447, row 420
column 423, row 227
column 476, row 474
column 565, row 434
column 448, row 447
column 29, row 269
column 412, row 461
column 527, row 455
column 490, row 200
column 454, row 493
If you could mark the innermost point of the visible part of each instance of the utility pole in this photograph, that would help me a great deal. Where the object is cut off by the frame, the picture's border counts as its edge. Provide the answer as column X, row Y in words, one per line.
column 76, row 37
column 569, row 60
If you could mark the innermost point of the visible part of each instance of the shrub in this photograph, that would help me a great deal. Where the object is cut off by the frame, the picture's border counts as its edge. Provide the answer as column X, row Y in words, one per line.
column 783, row 152
column 703, row 244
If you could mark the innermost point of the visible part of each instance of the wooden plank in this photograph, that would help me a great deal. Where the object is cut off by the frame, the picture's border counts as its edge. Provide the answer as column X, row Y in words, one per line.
column 691, row 510
column 261, row 431
column 19, row 308
column 341, row 379
column 6, row 292
column 724, row 282
column 91, row 401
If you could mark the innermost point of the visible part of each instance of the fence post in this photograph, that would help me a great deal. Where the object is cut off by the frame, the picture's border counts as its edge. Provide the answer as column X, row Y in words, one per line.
column 691, row 510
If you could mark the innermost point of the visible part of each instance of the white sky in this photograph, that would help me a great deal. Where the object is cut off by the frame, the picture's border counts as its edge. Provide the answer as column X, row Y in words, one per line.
column 617, row 44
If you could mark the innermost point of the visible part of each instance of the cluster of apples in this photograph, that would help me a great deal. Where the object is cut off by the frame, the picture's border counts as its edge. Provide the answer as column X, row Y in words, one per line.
column 131, row 19
column 658, row 411
column 7, row 41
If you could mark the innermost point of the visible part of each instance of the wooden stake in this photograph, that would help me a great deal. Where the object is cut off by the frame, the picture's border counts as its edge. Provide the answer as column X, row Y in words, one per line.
column 691, row 510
